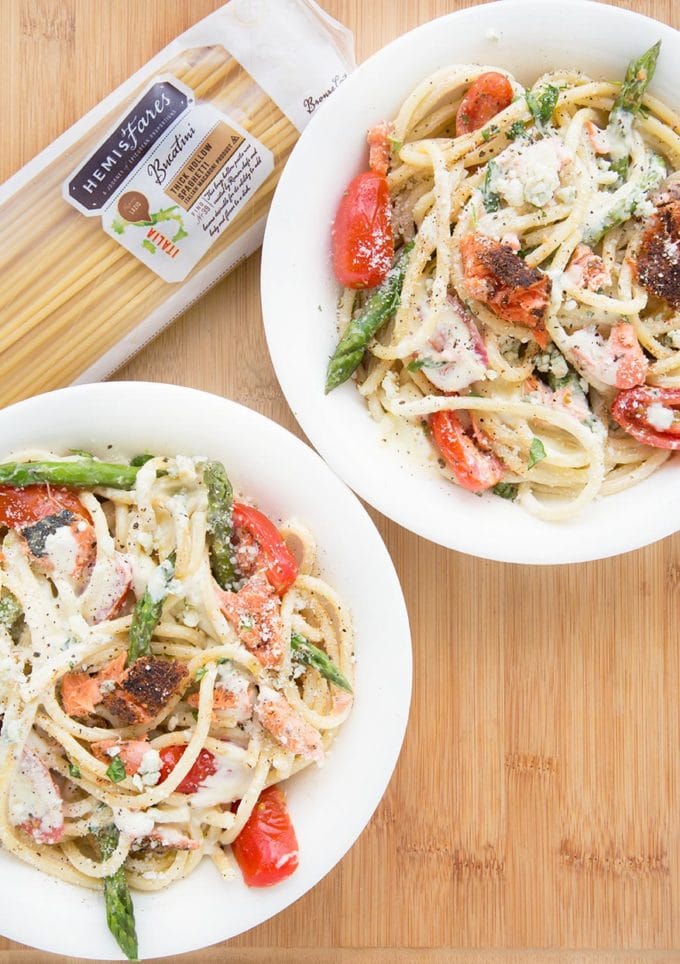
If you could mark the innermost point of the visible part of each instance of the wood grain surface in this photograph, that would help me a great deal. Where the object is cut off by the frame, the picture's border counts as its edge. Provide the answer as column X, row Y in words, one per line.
column 536, row 804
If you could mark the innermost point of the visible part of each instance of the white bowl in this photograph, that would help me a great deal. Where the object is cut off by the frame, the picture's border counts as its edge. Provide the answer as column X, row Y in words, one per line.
column 299, row 293
column 329, row 806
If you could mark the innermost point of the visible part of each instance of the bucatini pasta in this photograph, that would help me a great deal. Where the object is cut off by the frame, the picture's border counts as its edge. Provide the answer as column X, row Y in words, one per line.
column 527, row 333
column 144, row 204
column 167, row 656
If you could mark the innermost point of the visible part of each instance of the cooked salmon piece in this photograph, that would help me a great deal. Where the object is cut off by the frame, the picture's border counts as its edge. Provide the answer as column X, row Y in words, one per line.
column 62, row 544
column 239, row 705
column 146, row 688
column 286, row 725
column 587, row 269
column 619, row 361
column 255, row 613
column 379, row 148
column 35, row 803
column 131, row 752
column 658, row 261
column 81, row 693
column 163, row 838
column 498, row 277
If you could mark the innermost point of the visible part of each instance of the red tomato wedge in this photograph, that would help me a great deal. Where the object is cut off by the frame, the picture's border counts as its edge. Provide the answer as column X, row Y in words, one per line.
column 642, row 410
column 266, row 850
column 474, row 470
column 203, row 767
column 487, row 96
column 280, row 563
column 23, row 507
column 363, row 247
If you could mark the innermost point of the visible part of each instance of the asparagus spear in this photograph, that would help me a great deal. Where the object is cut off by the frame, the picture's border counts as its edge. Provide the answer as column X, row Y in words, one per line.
column 10, row 609
column 87, row 473
column 306, row 652
column 120, row 915
column 626, row 106
column 380, row 306
column 148, row 610
column 623, row 202
column 220, row 504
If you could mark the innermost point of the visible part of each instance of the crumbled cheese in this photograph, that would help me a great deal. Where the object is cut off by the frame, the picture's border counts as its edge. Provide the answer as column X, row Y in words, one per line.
column 145, row 540
column 157, row 586
column 660, row 417
column 190, row 617
column 132, row 823
column 150, row 767
column 529, row 173
column 61, row 548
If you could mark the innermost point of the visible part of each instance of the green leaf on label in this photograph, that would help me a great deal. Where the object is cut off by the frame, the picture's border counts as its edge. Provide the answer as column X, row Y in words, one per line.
column 116, row 770
column 181, row 233
column 506, row 490
column 536, row 452
column 148, row 245
column 118, row 225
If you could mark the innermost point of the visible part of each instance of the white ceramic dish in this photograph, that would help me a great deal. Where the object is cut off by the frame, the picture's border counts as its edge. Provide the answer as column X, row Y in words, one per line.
column 329, row 806
column 299, row 292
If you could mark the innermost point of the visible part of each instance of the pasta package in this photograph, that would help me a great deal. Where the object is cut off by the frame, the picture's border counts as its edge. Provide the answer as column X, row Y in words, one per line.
column 157, row 192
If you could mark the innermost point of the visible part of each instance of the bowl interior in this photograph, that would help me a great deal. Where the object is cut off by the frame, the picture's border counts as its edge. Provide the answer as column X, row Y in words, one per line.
column 299, row 293
column 288, row 480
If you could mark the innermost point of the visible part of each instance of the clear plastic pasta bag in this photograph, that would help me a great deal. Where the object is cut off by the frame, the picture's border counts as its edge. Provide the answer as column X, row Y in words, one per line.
column 158, row 191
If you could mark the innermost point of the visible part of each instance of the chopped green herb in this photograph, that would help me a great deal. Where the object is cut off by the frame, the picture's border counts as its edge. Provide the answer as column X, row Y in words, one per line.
column 489, row 132
column 10, row 609
column 395, row 145
column 116, row 770
column 542, row 105
column 536, row 452
column 417, row 363
column 518, row 129
column 200, row 673
column 139, row 460
column 74, row 770
column 492, row 201
column 506, row 490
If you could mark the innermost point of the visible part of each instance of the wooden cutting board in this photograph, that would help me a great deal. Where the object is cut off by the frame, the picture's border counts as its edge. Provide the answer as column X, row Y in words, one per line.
column 537, row 800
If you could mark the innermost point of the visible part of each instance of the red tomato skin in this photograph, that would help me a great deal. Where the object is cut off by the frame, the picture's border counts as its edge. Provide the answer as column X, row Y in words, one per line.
column 475, row 470
column 203, row 767
column 266, row 850
column 630, row 412
column 487, row 96
column 280, row 563
column 362, row 242
column 25, row 506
